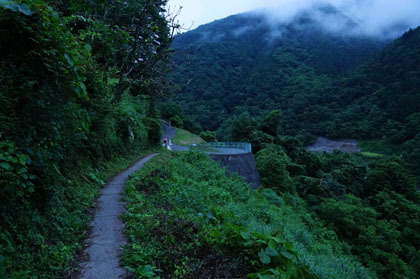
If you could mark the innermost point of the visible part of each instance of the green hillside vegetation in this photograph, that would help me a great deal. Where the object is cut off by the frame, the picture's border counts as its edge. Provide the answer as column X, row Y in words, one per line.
column 83, row 85
column 381, row 146
column 372, row 203
column 280, row 94
column 225, row 72
column 338, row 215
column 242, row 75
column 187, row 219
column 75, row 108
column 185, row 138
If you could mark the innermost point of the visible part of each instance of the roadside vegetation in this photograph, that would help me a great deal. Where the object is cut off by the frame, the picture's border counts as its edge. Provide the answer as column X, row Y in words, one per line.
column 83, row 85
column 186, row 219
column 75, row 108
column 185, row 138
column 317, row 216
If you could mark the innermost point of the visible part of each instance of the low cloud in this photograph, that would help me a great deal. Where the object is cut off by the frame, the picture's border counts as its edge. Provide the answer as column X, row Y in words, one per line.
column 385, row 18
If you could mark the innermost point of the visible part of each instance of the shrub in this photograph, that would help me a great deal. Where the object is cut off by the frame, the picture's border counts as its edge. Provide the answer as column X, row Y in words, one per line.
column 154, row 130
column 208, row 136
column 272, row 165
column 177, row 121
column 187, row 219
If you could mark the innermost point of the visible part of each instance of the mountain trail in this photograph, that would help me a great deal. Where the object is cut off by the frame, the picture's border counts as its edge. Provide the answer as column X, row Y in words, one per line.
column 100, row 258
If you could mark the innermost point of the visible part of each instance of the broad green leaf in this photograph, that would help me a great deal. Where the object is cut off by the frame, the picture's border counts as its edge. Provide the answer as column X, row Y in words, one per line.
column 246, row 235
column 15, row 7
column 88, row 47
column 271, row 252
column 260, row 276
column 264, row 258
column 55, row 15
column 287, row 254
column 272, row 244
column 289, row 246
column 5, row 166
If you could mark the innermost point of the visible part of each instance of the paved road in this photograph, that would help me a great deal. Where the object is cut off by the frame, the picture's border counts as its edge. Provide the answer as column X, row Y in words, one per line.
column 169, row 133
column 107, row 237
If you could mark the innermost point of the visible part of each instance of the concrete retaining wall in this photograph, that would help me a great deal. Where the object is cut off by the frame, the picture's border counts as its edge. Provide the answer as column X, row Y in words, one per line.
column 242, row 164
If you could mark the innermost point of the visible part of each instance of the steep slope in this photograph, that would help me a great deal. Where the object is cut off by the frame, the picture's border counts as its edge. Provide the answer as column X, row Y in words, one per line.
column 248, row 63
column 392, row 79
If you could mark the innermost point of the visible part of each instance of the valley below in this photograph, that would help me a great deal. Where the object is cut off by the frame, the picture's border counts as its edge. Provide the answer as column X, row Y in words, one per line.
column 285, row 144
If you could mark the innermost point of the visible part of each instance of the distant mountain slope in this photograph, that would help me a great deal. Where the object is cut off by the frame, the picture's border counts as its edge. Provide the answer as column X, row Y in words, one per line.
column 382, row 97
column 257, row 35
column 247, row 63
column 397, row 68
column 331, row 84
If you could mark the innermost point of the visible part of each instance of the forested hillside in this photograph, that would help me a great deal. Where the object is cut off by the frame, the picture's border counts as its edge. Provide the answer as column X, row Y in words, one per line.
column 78, row 83
column 244, row 63
column 340, row 85
column 84, row 84
column 280, row 86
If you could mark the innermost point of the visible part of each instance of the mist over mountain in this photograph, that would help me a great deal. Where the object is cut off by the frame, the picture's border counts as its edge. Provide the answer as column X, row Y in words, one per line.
column 321, row 30
column 272, row 28
column 223, row 65
column 385, row 18
column 326, row 82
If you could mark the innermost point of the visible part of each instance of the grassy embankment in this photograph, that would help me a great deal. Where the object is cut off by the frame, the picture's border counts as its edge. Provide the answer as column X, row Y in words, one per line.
column 186, row 219
column 379, row 148
column 185, row 138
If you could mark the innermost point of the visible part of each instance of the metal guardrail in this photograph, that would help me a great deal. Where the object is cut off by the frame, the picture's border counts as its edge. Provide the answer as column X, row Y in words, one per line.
column 233, row 145
column 245, row 146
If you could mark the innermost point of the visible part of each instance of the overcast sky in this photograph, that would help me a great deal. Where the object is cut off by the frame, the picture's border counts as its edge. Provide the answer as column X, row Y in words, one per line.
column 371, row 14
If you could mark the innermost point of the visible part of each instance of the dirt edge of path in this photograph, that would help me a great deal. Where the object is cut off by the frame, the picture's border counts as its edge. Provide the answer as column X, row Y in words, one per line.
column 82, row 257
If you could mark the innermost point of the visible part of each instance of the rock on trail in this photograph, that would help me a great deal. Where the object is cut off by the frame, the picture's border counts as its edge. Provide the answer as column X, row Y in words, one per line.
column 107, row 236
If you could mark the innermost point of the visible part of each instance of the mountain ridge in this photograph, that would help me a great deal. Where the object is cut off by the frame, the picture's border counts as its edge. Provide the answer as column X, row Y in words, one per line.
column 334, row 86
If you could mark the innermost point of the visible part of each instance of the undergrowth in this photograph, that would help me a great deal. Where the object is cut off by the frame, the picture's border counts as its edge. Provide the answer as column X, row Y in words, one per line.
column 43, row 245
column 186, row 219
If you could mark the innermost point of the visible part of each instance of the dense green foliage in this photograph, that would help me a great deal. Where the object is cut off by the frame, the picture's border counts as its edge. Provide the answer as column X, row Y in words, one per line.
column 326, row 84
column 373, row 206
column 248, row 85
column 238, row 64
column 208, row 136
column 170, row 111
column 78, row 83
column 80, row 90
column 187, row 219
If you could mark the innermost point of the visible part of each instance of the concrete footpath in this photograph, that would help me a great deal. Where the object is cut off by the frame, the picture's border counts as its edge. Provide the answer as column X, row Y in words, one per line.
column 101, row 257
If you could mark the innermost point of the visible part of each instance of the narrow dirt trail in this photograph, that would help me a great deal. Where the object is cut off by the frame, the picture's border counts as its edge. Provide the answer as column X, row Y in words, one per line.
column 107, row 236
